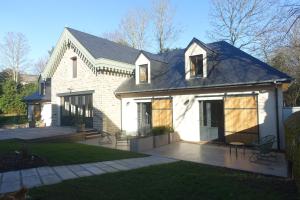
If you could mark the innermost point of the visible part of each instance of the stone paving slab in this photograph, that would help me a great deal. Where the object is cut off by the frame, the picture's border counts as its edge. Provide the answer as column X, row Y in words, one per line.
column 93, row 168
column 116, row 165
column 30, row 178
column 31, row 181
column 10, row 186
column 64, row 172
column 29, row 172
column 48, row 175
column 79, row 171
column 11, row 176
column 106, row 168
column 13, row 180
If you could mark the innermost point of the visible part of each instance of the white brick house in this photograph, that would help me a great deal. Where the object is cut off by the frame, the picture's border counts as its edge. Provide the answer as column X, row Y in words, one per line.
column 204, row 92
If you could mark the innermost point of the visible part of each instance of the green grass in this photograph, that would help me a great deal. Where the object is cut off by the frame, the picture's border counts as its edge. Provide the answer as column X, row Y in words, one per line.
column 61, row 153
column 180, row 180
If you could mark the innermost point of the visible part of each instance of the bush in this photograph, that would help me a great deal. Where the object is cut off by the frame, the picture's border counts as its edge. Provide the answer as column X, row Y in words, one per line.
column 292, row 134
column 13, row 119
column 160, row 130
column 11, row 101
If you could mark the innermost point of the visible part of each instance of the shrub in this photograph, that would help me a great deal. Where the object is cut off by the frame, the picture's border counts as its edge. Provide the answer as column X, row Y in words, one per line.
column 160, row 130
column 292, row 134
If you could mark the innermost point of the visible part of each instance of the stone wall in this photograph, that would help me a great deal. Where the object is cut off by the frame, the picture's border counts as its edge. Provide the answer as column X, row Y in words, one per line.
column 107, row 111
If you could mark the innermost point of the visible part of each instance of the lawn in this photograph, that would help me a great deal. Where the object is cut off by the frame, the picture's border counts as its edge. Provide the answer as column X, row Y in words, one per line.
column 61, row 153
column 180, row 180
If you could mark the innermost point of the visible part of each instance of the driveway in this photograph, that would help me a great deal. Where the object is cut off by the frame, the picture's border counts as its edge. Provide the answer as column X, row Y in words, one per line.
column 35, row 133
column 219, row 156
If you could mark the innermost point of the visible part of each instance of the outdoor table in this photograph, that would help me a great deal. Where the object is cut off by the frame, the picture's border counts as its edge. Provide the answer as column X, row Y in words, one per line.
column 237, row 145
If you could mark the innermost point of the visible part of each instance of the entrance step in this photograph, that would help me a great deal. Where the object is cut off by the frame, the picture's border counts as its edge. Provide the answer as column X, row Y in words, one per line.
column 89, row 130
column 91, row 134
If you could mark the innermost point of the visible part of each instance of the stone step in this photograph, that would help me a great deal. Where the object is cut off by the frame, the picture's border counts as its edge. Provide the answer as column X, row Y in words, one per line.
column 94, row 135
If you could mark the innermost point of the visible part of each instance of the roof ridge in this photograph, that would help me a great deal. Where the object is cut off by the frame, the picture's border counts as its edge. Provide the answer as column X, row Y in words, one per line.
column 115, row 43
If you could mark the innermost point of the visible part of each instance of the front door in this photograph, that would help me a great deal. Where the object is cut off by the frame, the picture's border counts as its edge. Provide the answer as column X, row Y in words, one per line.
column 212, row 120
column 144, row 118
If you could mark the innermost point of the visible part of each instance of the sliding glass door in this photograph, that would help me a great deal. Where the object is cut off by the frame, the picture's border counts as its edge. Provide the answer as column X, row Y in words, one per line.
column 144, row 118
column 211, row 120
column 75, row 107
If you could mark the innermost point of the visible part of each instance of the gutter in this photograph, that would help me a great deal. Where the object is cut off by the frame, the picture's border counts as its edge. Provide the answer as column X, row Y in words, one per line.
column 249, row 84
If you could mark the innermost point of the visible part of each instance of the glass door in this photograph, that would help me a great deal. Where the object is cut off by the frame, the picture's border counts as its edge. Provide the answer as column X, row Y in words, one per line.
column 144, row 118
column 211, row 120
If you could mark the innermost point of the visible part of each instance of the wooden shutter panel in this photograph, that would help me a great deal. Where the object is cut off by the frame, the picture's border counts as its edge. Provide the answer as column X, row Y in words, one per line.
column 162, row 112
column 241, row 118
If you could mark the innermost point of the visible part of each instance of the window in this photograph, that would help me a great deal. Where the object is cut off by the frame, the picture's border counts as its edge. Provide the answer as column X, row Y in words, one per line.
column 196, row 65
column 74, row 59
column 143, row 73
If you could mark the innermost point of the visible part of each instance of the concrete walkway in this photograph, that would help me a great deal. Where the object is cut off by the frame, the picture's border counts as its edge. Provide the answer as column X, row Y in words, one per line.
column 13, row 180
column 35, row 133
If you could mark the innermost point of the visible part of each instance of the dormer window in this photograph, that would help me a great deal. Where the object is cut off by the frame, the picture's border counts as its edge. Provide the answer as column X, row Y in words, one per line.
column 143, row 73
column 196, row 65
column 74, row 67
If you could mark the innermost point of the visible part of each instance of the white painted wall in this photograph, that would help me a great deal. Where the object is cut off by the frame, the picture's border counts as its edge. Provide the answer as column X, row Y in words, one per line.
column 186, row 120
column 129, row 116
column 142, row 60
column 193, row 50
column 46, row 113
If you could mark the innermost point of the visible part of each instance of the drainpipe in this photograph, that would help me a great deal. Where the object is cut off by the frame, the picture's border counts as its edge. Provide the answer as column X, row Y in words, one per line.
column 277, row 115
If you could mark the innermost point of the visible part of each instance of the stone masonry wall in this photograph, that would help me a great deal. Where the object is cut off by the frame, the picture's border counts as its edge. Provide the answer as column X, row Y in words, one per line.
column 107, row 111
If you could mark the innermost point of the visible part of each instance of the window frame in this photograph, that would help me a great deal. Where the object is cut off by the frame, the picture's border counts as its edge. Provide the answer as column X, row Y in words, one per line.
column 147, row 73
column 196, row 71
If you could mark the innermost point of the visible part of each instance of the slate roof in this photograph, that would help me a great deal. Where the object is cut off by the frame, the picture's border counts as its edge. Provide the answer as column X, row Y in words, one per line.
column 36, row 97
column 102, row 48
column 227, row 66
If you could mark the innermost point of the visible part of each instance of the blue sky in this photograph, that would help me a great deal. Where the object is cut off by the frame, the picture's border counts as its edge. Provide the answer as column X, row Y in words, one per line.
column 42, row 22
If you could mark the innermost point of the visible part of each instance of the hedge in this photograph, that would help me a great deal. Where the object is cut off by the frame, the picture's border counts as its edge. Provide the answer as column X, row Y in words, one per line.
column 292, row 134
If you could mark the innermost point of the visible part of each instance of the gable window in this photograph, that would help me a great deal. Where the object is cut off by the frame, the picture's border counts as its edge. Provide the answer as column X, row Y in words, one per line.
column 143, row 75
column 196, row 65
column 74, row 67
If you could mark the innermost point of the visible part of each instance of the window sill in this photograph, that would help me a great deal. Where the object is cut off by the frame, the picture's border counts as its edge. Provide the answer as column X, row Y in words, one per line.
column 196, row 77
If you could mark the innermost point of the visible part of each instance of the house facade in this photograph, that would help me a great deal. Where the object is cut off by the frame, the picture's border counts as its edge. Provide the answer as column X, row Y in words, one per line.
column 205, row 92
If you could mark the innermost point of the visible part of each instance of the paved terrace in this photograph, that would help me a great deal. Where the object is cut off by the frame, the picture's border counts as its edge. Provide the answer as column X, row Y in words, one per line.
column 220, row 156
column 13, row 180
column 35, row 133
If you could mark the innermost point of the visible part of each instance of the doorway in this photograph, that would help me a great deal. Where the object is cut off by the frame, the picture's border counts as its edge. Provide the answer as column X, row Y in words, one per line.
column 75, row 107
column 144, row 118
column 212, row 120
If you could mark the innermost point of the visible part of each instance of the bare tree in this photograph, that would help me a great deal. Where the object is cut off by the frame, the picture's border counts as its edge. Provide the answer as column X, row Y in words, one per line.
column 115, row 36
column 246, row 24
column 40, row 64
column 165, row 29
column 132, row 30
column 14, row 51
column 287, row 59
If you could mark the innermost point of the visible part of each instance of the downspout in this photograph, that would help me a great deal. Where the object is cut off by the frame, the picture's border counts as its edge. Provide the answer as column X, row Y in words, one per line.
column 121, row 115
column 277, row 115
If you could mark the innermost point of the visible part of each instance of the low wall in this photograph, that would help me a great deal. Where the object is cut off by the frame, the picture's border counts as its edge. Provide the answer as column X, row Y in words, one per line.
column 150, row 142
